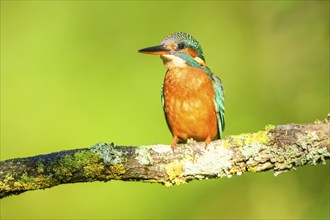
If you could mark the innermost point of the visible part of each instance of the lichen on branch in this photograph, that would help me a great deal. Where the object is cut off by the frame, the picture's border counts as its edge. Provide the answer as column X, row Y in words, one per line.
column 277, row 148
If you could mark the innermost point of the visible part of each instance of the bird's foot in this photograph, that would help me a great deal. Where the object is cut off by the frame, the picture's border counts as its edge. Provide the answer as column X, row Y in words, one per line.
column 207, row 141
column 174, row 142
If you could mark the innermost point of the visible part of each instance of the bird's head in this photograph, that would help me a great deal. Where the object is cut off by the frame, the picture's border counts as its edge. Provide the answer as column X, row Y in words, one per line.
column 177, row 50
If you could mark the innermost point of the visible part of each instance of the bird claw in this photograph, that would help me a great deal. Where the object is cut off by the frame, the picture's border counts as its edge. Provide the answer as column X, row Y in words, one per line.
column 189, row 141
column 207, row 141
column 174, row 143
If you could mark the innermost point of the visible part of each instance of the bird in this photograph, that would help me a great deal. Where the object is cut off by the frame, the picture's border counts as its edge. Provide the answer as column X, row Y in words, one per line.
column 192, row 96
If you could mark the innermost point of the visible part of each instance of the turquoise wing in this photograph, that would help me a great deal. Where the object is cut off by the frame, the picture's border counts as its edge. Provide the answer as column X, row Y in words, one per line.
column 219, row 99
column 163, row 105
column 162, row 98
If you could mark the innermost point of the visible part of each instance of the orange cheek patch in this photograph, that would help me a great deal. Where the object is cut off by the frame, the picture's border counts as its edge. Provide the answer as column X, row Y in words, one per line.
column 190, row 51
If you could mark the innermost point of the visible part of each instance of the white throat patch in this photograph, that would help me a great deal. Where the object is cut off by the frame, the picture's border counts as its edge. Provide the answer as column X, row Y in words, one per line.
column 171, row 61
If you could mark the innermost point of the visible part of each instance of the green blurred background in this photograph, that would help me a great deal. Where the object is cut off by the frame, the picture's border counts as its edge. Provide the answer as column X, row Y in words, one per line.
column 71, row 77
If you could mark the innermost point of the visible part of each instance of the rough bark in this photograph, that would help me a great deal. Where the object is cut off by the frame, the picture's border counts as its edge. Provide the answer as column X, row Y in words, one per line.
column 277, row 148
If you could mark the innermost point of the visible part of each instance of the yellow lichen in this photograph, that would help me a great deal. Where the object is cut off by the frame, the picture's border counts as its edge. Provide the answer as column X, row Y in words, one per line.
column 27, row 183
column 93, row 170
column 9, row 178
column 17, row 185
column 269, row 127
column 235, row 170
column 253, row 169
column 115, row 171
column 226, row 143
column 259, row 137
column 175, row 171
column 241, row 140
column 188, row 157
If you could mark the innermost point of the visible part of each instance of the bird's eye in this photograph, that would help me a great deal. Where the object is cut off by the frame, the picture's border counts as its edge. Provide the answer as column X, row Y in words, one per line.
column 181, row 46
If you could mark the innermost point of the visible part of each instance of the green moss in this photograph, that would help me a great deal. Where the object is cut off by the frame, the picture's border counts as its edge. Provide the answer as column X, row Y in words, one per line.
column 90, row 163
column 25, row 178
column 79, row 159
column 71, row 163
column 40, row 167
column 87, row 162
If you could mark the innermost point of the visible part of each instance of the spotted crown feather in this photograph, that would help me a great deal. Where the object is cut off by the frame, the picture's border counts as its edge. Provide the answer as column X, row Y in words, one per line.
column 188, row 39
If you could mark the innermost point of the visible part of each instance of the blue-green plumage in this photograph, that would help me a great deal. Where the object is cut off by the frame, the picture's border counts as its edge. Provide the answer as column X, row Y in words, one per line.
column 219, row 97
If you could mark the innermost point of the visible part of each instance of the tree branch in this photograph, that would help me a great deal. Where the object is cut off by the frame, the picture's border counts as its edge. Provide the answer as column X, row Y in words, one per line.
column 279, row 149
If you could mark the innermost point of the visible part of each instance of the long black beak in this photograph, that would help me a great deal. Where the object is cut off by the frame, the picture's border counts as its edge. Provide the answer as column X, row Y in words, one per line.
column 156, row 50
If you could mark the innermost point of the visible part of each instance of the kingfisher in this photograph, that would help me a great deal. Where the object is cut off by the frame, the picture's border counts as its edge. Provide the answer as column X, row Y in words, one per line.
column 192, row 96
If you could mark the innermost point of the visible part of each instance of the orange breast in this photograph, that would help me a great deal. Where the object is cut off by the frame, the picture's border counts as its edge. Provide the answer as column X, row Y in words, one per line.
column 189, row 104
